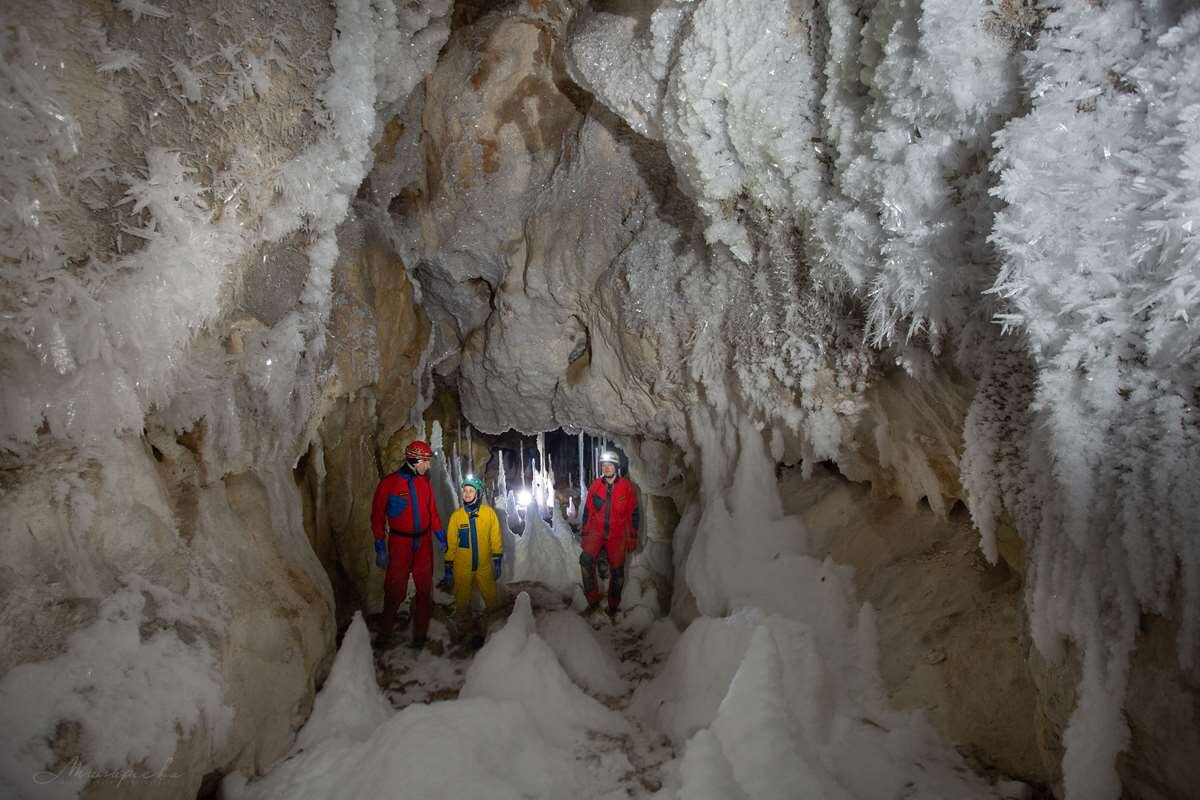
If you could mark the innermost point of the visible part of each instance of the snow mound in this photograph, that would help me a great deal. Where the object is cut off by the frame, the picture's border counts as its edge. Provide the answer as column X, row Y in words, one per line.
column 583, row 656
column 517, row 664
column 759, row 736
column 351, row 705
column 685, row 695
column 706, row 772
column 773, row 715
column 127, row 691
column 484, row 748
column 547, row 554
column 511, row 733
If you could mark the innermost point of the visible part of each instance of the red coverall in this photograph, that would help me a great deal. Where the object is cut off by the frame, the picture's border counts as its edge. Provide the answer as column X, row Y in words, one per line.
column 404, row 512
column 610, row 521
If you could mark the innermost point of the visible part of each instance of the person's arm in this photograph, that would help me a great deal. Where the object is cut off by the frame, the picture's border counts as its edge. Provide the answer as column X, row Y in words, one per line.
column 456, row 519
column 494, row 537
column 435, row 520
column 496, row 541
column 379, row 511
column 635, row 521
column 379, row 524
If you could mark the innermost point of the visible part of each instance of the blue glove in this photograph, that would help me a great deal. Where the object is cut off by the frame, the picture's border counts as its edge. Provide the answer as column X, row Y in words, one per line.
column 496, row 566
column 449, row 576
column 440, row 535
column 381, row 553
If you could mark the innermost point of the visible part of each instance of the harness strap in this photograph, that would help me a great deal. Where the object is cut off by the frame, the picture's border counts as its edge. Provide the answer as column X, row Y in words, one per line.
column 415, row 505
column 608, row 493
column 474, row 543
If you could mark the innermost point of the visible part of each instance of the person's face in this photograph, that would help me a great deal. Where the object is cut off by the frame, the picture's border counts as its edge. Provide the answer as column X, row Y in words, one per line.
column 469, row 494
column 608, row 470
column 422, row 466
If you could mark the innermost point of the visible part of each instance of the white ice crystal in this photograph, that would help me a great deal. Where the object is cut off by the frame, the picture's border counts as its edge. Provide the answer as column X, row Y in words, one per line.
column 128, row 691
column 141, row 8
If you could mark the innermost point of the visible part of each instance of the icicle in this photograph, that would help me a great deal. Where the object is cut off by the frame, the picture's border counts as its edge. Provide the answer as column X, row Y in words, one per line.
column 541, row 447
column 521, row 460
column 582, row 475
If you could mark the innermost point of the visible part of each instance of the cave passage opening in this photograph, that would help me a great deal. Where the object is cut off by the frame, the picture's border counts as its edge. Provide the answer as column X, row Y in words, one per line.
column 561, row 463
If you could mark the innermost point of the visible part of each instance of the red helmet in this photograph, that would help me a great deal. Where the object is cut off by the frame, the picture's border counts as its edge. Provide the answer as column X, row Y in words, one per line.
column 418, row 451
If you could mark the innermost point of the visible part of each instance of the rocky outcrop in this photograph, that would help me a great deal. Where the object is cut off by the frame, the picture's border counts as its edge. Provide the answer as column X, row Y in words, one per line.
column 954, row 641
column 229, row 612
column 379, row 337
column 523, row 201
column 951, row 626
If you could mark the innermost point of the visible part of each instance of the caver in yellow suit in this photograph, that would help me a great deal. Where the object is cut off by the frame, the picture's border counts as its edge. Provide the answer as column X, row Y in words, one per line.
column 473, row 550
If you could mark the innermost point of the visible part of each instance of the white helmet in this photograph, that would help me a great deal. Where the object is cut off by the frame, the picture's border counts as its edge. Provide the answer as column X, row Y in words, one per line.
column 609, row 457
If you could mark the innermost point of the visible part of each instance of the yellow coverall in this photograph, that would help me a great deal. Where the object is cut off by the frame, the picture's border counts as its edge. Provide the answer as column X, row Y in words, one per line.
column 472, row 538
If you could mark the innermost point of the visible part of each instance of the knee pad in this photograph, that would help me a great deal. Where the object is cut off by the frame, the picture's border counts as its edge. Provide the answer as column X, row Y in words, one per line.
column 616, row 585
column 586, row 561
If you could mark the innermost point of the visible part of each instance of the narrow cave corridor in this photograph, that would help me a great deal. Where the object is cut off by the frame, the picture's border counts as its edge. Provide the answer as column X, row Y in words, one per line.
column 597, row 399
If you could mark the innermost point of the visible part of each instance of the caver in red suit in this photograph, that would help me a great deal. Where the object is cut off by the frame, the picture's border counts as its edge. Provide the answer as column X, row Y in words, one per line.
column 405, row 521
column 610, row 522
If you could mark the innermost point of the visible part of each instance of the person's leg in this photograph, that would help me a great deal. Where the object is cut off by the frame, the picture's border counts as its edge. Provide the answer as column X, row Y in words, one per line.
column 587, row 566
column 462, row 588
column 473, row 626
column 395, row 581
column 422, row 572
column 486, row 582
column 616, row 572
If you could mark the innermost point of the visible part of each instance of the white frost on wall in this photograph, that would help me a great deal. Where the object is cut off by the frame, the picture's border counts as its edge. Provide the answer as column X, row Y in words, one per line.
column 910, row 189
column 1101, row 272
column 732, row 108
column 91, row 350
column 128, row 692
column 96, row 347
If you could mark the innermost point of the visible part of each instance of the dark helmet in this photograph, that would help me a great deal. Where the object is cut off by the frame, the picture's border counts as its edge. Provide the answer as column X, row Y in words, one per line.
column 418, row 451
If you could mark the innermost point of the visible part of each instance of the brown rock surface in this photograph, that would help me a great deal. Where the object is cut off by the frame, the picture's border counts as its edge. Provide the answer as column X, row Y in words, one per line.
column 950, row 626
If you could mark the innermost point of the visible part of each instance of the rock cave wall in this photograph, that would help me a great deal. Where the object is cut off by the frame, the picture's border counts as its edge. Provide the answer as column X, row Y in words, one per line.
column 815, row 188
column 262, row 252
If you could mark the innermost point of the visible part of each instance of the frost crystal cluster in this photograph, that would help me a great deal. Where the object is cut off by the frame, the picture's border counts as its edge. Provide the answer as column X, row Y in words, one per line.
column 952, row 247
column 172, row 183
column 1010, row 188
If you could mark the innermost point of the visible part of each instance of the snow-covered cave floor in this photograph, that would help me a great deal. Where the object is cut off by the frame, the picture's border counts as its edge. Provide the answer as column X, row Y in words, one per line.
column 633, row 759
column 554, row 705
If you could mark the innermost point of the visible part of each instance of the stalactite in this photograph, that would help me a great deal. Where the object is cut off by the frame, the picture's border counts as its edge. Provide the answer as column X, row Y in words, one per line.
column 582, row 475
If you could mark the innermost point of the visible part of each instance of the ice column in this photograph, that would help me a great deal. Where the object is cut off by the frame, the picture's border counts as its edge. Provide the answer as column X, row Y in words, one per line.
column 582, row 480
